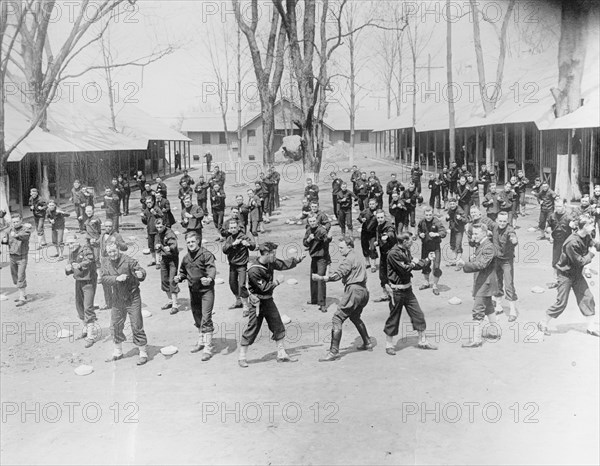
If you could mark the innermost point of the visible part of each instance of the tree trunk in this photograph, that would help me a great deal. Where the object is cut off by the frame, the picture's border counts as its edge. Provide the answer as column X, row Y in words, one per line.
column 4, row 188
column 452, row 132
column 268, row 132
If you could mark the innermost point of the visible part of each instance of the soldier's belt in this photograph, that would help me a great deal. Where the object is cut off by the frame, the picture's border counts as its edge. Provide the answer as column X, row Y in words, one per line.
column 406, row 286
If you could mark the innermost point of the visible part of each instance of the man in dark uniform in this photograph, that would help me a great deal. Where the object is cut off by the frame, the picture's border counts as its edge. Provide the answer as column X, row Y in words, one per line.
column 368, row 234
column 124, row 274
column 385, row 239
column 161, row 187
column 109, row 236
column 491, row 202
column 82, row 265
column 559, row 228
column 393, row 186
column 201, row 190
column 126, row 190
column 361, row 189
column 79, row 202
column 485, row 282
column 344, row 204
column 17, row 238
column 166, row 246
column 376, row 191
column 415, row 176
column 485, row 177
column 410, row 197
column 322, row 218
column 185, row 190
column 454, row 174
column 177, row 160
column 276, row 177
column 217, row 204
column 208, row 156
column 353, row 275
column 93, row 230
column 112, row 206
column 311, row 191
column 505, row 239
column 146, row 192
column 237, row 247
column 431, row 231
column 398, row 212
column 140, row 179
column 198, row 268
column 317, row 242
column 262, row 307
column 187, row 178
column 546, row 198
column 354, row 177
column 336, row 187
column 575, row 255
column 457, row 219
column 38, row 207
column 191, row 217
column 400, row 265
column 165, row 206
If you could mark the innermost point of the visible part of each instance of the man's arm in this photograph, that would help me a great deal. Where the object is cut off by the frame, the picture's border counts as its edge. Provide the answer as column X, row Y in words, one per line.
column 482, row 260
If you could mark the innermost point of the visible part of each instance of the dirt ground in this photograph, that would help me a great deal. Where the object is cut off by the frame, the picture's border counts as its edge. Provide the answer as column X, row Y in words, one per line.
column 522, row 400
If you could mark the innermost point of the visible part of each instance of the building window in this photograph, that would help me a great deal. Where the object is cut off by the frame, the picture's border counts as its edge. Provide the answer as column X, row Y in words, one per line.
column 251, row 134
column 205, row 138
column 347, row 136
column 222, row 138
column 364, row 136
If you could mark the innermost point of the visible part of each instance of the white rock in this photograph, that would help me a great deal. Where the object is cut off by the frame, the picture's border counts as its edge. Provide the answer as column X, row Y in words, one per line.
column 285, row 319
column 146, row 313
column 454, row 300
column 292, row 281
column 219, row 281
column 537, row 289
column 64, row 333
column 146, row 251
column 84, row 370
column 169, row 350
column 531, row 229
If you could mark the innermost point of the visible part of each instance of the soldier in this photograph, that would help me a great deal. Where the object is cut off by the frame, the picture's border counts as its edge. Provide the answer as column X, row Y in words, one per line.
column 187, row 179
column 385, row 236
column 93, row 230
column 82, row 265
column 410, row 197
column 198, row 268
column 361, row 189
column 520, row 189
column 344, row 206
column 115, row 188
column 317, row 242
column 165, row 206
column 38, row 207
column 435, row 196
column 415, row 176
column 218, row 177
column 485, row 283
column 184, row 191
column 276, row 177
column 253, row 213
column 322, row 218
column 208, row 156
column 145, row 193
column 260, row 287
column 546, row 199
column 400, row 265
column 595, row 202
column 217, row 204
column 393, row 186
column 233, row 217
column 111, row 205
column 353, row 275
column 485, row 177
column 457, row 219
column 201, row 190
column 237, row 247
column 17, row 237
column 141, row 180
column 368, row 234
column 473, row 185
column 56, row 217
column 311, row 191
column 463, row 194
column 109, row 236
column 79, row 202
column 398, row 212
column 454, row 176
column 336, row 187
column 149, row 215
column 505, row 239
column 260, row 191
column 491, row 202
column 161, row 187
column 126, row 190
column 560, row 228
column 166, row 246
column 506, row 200
column 354, row 177
column 191, row 217
column 375, row 191
column 124, row 274
column 431, row 231
column 575, row 255
column 445, row 185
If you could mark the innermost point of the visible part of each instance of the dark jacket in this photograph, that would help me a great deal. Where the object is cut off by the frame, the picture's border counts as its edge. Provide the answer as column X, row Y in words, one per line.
column 454, row 222
column 502, row 239
column 559, row 224
column 260, row 276
column 149, row 217
column 168, row 239
column 369, row 222
column 546, row 199
column 319, row 245
column 93, row 227
column 311, row 192
column 400, row 265
column 122, row 292
column 491, row 203
column 386, row 228
column 114, row 237
column 433, row 226
column 18, row 240
column 344, row 200
column 56, row 218
column 38, row 206
column 238, row 254
column 485, row 281
column 217, row 199
column 196, row 265
column 111, row 204
column 201, row 191
column 575, row 255
column 195, row 222
column 84, row 257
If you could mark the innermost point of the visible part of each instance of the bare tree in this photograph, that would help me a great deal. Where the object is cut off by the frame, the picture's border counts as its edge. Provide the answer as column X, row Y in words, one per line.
column 25, row 44
column 489, row 102
column 575, row 17
column 269, row 72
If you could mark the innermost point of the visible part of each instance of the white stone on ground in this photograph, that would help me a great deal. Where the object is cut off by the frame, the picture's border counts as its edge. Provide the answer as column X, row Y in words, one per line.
column 84, row 370
column 292, row 281
column 285, row 319
column 64, row 333
column 455, row 300
column 146, row 313
column 169, row 350
column 219, row 281
column 537, row 289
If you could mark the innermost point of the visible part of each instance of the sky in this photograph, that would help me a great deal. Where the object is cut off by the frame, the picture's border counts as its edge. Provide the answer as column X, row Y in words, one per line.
column 183, row 82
